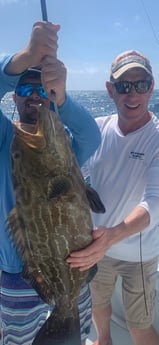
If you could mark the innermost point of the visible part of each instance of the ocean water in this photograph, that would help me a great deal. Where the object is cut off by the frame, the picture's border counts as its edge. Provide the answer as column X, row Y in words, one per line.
column 98, row 103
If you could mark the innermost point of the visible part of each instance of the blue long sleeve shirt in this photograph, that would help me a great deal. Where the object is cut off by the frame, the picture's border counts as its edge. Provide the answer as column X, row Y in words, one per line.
column 86, row 139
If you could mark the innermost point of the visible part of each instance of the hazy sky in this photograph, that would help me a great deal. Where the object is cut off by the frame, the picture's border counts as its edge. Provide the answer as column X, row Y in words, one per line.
column 92, row 33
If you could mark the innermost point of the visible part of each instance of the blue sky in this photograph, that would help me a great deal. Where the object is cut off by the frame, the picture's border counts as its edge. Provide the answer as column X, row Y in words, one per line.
column 92, row 33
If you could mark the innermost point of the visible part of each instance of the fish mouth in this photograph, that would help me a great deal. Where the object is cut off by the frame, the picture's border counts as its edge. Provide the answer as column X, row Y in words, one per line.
column 30, row 134
column 37, row 135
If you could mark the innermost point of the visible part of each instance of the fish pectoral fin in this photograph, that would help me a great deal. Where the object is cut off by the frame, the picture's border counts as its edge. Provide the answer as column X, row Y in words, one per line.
column 58, row 186
column 37, row 281
column 58, row 330
column 94, row 200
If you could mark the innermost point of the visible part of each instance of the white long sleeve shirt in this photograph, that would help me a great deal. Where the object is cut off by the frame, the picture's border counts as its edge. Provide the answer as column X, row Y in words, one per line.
column 125, row 172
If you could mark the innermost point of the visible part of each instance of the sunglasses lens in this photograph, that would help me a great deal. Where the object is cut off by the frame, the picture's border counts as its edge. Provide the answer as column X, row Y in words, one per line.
column 41, row 92
column 26, row 90
column 142, row 86
column 123, row 87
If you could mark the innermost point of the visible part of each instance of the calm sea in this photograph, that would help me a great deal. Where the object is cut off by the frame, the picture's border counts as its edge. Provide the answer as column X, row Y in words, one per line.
column 97, row 102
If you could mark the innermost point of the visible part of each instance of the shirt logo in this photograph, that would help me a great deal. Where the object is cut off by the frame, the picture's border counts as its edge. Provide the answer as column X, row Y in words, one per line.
column 136, row 155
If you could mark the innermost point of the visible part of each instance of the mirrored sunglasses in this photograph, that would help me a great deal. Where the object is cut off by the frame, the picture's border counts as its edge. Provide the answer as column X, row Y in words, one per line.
column 26, row 90
column 124, row 87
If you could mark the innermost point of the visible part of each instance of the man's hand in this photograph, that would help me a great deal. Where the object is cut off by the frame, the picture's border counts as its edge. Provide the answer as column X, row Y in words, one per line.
column 43, row 42
column 104, row 238
column 53, row 78
column 88, row 257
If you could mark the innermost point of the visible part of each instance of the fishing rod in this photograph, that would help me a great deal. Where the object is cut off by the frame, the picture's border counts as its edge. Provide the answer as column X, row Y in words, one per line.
column 44, row 10
column 53, row 105
column 149, row 21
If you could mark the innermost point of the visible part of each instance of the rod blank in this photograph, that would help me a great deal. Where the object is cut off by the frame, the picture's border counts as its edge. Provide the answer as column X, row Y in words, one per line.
column 44, row 10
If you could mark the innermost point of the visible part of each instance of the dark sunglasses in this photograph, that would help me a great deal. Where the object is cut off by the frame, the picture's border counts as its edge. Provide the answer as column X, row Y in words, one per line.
column 141, row 86
column 26, row 90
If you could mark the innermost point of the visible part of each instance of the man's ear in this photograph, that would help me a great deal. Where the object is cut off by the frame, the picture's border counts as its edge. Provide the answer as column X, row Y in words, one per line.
column 109, row 88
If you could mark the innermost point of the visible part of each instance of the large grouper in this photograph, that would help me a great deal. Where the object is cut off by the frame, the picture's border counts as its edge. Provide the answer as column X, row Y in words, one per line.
column 51, row 218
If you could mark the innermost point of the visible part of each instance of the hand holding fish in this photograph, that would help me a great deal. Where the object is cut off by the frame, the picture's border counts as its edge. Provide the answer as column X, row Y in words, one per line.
column 53, row 78
column 89, row 256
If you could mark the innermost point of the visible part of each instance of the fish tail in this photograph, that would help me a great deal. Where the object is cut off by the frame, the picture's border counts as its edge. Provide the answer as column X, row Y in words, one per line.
column 58, row 330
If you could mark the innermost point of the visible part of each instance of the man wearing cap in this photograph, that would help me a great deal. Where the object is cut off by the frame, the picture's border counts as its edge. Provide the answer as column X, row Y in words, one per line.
column 125, row 172
column 22, row 311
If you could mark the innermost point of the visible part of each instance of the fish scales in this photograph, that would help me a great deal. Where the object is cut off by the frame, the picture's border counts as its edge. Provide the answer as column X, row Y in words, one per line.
column 51, row 218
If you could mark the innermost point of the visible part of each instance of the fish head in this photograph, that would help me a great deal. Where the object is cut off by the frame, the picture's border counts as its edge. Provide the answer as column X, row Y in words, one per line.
column 33, row 144
column 40, row 134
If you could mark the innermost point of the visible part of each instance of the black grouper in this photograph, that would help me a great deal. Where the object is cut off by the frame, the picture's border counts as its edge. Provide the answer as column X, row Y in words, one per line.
column 51, row 218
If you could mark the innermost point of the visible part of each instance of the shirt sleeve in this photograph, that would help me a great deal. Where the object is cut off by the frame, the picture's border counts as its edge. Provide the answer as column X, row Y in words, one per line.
column 86, row 134
column 150, row 199
column 7, row 82
column 6, row 129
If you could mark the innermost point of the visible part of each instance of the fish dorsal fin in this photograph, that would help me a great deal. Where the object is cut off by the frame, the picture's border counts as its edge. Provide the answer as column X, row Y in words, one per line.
column 31, row 273
column 14, row 231
column 94, row 200
column 58, row 186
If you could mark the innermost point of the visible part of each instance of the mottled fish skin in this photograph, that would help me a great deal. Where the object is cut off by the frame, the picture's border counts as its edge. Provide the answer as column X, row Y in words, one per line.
column 51, row 218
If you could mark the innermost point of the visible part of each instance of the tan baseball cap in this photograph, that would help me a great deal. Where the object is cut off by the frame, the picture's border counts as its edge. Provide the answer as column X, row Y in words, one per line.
column 128, row 60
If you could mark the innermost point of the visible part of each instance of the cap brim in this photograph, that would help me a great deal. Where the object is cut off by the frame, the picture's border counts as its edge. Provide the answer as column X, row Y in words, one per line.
column 29, row 72
column 127, row 67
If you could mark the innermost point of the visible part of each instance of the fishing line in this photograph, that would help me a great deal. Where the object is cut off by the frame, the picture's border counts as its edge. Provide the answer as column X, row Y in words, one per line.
column 142, row 274
column 13, row 112
column 150, row 22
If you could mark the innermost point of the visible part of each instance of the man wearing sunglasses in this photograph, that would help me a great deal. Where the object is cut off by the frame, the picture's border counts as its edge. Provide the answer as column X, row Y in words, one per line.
column 29, row 92
column 21, row 309
column 125, row 172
